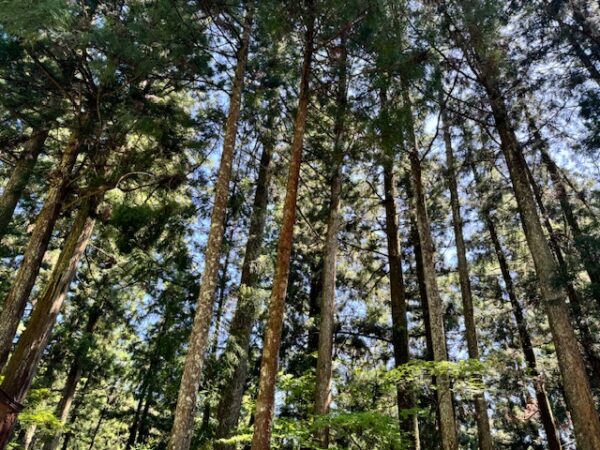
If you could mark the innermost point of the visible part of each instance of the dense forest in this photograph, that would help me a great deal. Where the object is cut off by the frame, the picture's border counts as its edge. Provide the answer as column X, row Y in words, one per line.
column 299, row 224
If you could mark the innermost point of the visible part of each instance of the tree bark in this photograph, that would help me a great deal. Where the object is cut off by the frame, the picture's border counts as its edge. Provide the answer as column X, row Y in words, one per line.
column 400, row 343
column 586, row 336
column 272, row 340
column 22, row 365
column 75, row 372
column 590, row 264
column 183, row 423
column 16, row 300
column 327, row 307
column 240, row 330
column 19, row 178
column 545, row 410
column 483, row 423
column 577, row 388
column 449, row 435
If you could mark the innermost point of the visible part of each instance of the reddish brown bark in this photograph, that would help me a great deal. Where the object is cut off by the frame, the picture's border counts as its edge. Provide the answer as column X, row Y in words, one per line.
column 16, row 300
column 263, row 419
column 183, row 422
column 327, row 306
column 23, row 363
column 13, row 190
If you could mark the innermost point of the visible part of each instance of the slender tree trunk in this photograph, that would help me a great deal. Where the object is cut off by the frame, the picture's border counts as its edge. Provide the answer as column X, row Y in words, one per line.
column 545, row 410
column 592, row 266
column 73, row 417
column 405, row 400
column 68, row 393
column 16, row 300
column 449, row 435
column 326, row 324
column 577, row 387
column 272, row 340
column 28, row 439
column 22, row 365
column 135, row 426
column 546, row 415
column 483, row 423
column 183, row 423
column 19, row 178
column 240, row 330
column 416, row 244
column 586, row 336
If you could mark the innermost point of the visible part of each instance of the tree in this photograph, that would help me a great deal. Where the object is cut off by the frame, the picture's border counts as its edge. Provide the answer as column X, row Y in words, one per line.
column 272, row 339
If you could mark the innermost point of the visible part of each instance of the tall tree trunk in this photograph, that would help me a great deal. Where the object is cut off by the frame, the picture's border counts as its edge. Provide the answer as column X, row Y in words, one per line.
column 577, row 388
column 586, row 336
column 327, row 317
column 23, row 363
column 590, row 263
column 400, row 338
column 16, row 300
column 449, row 434
column 416, row 244
column 405, row 400
column 240, row 330
column 545, row 410
column 76, row 409
column 272, row 340
column 68, row 393
column 483, row 423
column 19, row 178
column 546, row 415
column 183, row 423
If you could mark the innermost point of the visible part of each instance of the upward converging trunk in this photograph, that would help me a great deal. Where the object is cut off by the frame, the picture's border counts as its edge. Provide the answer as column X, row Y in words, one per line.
column 326, row 324
column 576, row 384
column 590, row 263
column 19, row 177
column 183, row 422
column 483, row 423
column 585, row 334
column 73, row 376
column 445, row 405
column 244, row 317
column 400, row 343
column 24, row 361
column 543, row 402
column 272, row 340
column 16, row 300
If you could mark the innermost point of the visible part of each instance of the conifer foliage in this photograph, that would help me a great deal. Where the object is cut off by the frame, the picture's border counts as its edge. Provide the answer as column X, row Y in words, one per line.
column 299, row 224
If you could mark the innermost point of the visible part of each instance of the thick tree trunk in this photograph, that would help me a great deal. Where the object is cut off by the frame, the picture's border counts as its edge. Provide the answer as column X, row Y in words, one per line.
column 19, row 177
column 23, row 363
column 263, row 420
column 16, row 300
column 449, row 435
column 75, row 372
column 183, row 423
column 240, row 330
column 327, row 317
column 576, row 384
column 483, row 423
